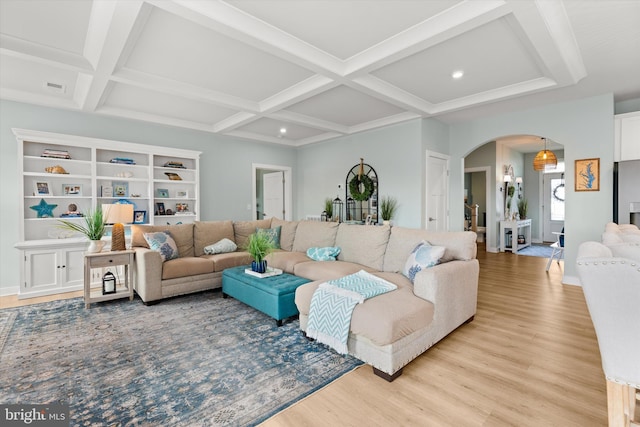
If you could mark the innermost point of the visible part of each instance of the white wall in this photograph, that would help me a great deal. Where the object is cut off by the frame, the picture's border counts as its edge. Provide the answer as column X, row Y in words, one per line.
column 585, row 128
column 225, row 175
column 395, row 152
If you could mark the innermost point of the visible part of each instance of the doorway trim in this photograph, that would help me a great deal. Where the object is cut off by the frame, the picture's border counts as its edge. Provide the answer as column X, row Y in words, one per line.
column 288, row 187
column 489, row 223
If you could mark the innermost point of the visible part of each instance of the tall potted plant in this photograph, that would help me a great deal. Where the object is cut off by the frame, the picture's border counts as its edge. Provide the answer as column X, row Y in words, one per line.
column 523, row 205
column 259, row 246
column 92, row 227
column 328, row 208
column 388, row 207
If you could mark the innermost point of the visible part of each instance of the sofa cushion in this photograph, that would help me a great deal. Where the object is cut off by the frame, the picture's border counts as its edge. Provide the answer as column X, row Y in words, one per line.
column 460, row 245
column 314, row 233
column 327, row 270
column 229, row 259
column 383, row 319
column 209, row 232
column 287, row 232
column 162, row 242
column 285, row 260
column 222, row 247
column 273, row 233
column 181, row 233
column 243, row 229
column 183, row 267
column 423, row 256
column 363, row 245
column 323, row 254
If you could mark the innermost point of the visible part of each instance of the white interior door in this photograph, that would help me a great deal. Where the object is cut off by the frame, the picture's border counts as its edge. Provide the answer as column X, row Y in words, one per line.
column 553, row 207
column 273, row 185
column 437, row 192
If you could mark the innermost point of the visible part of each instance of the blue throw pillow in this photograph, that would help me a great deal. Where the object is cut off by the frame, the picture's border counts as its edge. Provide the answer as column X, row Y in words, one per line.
column 273, row 233
column 423, row 256
column 323, row 254
column 162, row 242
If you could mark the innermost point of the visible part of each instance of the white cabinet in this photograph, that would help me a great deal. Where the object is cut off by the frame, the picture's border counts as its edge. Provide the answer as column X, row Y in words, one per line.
column 52, row 268
column 62, row 173
column 627, row 137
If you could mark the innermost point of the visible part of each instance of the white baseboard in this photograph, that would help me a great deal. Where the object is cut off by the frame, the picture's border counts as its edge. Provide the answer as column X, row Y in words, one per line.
column 571, row 280
column 5, row 291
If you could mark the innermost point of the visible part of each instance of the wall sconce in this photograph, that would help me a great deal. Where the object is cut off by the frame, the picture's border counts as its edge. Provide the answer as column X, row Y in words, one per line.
column 519, row 182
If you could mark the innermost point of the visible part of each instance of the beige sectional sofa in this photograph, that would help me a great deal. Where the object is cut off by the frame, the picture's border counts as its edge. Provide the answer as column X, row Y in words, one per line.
column 387, row 331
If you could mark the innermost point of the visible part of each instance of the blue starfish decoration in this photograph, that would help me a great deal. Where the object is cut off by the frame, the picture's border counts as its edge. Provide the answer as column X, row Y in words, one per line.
column 44, row 209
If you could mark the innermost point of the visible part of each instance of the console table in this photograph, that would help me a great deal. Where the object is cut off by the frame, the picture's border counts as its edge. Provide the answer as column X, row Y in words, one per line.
column 515, row 227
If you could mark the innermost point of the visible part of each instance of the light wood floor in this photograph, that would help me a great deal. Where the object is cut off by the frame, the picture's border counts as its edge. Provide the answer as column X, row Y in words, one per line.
column 530, row 358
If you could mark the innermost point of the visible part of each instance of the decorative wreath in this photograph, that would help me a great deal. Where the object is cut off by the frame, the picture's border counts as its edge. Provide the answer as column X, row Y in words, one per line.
column 354, row 188
column 557, row 194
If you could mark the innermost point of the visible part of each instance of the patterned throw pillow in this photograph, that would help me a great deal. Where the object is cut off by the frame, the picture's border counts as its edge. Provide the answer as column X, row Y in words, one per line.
column 162, row 242
column 273, row 233
column 221, row 247
column 323, row 254
column 423, row 256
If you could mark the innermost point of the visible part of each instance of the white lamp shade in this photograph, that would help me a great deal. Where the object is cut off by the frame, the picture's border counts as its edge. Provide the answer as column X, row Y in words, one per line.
column 507, row 178
column 518, row 180
column 118, row 213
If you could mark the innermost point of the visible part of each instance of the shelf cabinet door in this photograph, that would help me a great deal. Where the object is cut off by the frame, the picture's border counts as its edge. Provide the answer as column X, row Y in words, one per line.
column 41, row 270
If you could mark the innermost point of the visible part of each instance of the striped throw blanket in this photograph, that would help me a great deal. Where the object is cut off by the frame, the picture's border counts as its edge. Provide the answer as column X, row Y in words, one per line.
column 332, row 306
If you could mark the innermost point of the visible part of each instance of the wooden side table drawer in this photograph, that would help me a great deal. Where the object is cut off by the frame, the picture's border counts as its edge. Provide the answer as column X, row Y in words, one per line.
column 110, row 260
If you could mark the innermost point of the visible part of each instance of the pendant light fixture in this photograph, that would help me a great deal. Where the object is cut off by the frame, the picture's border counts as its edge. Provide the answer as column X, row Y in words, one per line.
column 545, row 159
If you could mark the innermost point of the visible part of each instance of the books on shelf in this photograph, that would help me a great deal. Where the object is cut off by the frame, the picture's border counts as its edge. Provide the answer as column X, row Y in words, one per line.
column 55, row 154
column 174, row 164
column 123, row 161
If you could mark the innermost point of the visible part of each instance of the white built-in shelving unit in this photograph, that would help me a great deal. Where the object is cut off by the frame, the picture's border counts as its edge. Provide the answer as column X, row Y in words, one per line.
column 52, row 260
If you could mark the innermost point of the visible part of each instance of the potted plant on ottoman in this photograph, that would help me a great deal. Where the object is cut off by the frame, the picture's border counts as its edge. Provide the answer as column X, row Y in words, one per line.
column 259, row 246
column 93, row 228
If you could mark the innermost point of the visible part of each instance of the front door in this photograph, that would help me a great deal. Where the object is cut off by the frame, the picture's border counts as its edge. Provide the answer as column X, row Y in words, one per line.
column 553, row 207
column 437, row 185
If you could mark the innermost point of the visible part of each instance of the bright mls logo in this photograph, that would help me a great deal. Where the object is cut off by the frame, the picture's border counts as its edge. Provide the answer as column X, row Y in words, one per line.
column 53, row 415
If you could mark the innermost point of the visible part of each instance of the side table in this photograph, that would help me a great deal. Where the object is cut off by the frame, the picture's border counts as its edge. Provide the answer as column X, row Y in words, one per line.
column 108, row 259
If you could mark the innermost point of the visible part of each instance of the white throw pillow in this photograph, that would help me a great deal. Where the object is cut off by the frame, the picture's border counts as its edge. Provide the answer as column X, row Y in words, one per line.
column 221, row 247
column 423, row 256
column 162, row 242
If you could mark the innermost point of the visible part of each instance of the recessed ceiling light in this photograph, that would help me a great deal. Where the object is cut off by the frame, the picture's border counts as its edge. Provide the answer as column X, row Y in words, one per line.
column 283, row 130
column 457, row 74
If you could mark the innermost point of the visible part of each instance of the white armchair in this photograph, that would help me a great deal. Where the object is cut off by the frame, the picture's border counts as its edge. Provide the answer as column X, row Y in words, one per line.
column 612, row 290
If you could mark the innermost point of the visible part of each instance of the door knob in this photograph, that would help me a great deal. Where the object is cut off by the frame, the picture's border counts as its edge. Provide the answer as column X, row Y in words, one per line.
column 431, row 219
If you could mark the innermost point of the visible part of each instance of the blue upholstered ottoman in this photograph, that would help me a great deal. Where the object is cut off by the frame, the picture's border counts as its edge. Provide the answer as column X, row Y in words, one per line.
column 274, row 296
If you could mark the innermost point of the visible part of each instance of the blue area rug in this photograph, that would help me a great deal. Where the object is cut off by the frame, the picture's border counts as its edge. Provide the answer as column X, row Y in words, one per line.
column 542, row 251
column 197, row 360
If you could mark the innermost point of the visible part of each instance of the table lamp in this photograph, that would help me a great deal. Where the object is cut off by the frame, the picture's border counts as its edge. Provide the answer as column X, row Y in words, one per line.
column 117, row 214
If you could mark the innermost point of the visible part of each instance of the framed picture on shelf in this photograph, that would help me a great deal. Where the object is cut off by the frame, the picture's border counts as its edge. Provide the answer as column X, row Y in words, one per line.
column 42, row 188
column 182, row 194
column 160, row 208
column 587, row 175
column 72, row 189
column 120, row 188
column 162, row 193
column 106, row 191
column 139, row 217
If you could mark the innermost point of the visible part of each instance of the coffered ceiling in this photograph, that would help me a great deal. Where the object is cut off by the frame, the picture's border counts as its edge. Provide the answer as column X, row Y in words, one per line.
column 319, row 69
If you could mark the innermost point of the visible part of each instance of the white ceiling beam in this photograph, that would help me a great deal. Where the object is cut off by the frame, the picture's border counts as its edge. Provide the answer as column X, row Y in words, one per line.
column 387, row 92
column 452, row 22
column 312, row 122
column 154, row 118
column 317, row 138
column 115, row 25
column 184, row 90
column 385, row 121
column 264, row 138
column 37, row 99
column 235, row 121
column 299, row 92
column 41, row 54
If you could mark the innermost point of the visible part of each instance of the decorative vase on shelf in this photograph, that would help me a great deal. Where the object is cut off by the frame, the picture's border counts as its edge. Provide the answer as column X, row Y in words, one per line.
column 95, row 246
column 259, row 266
